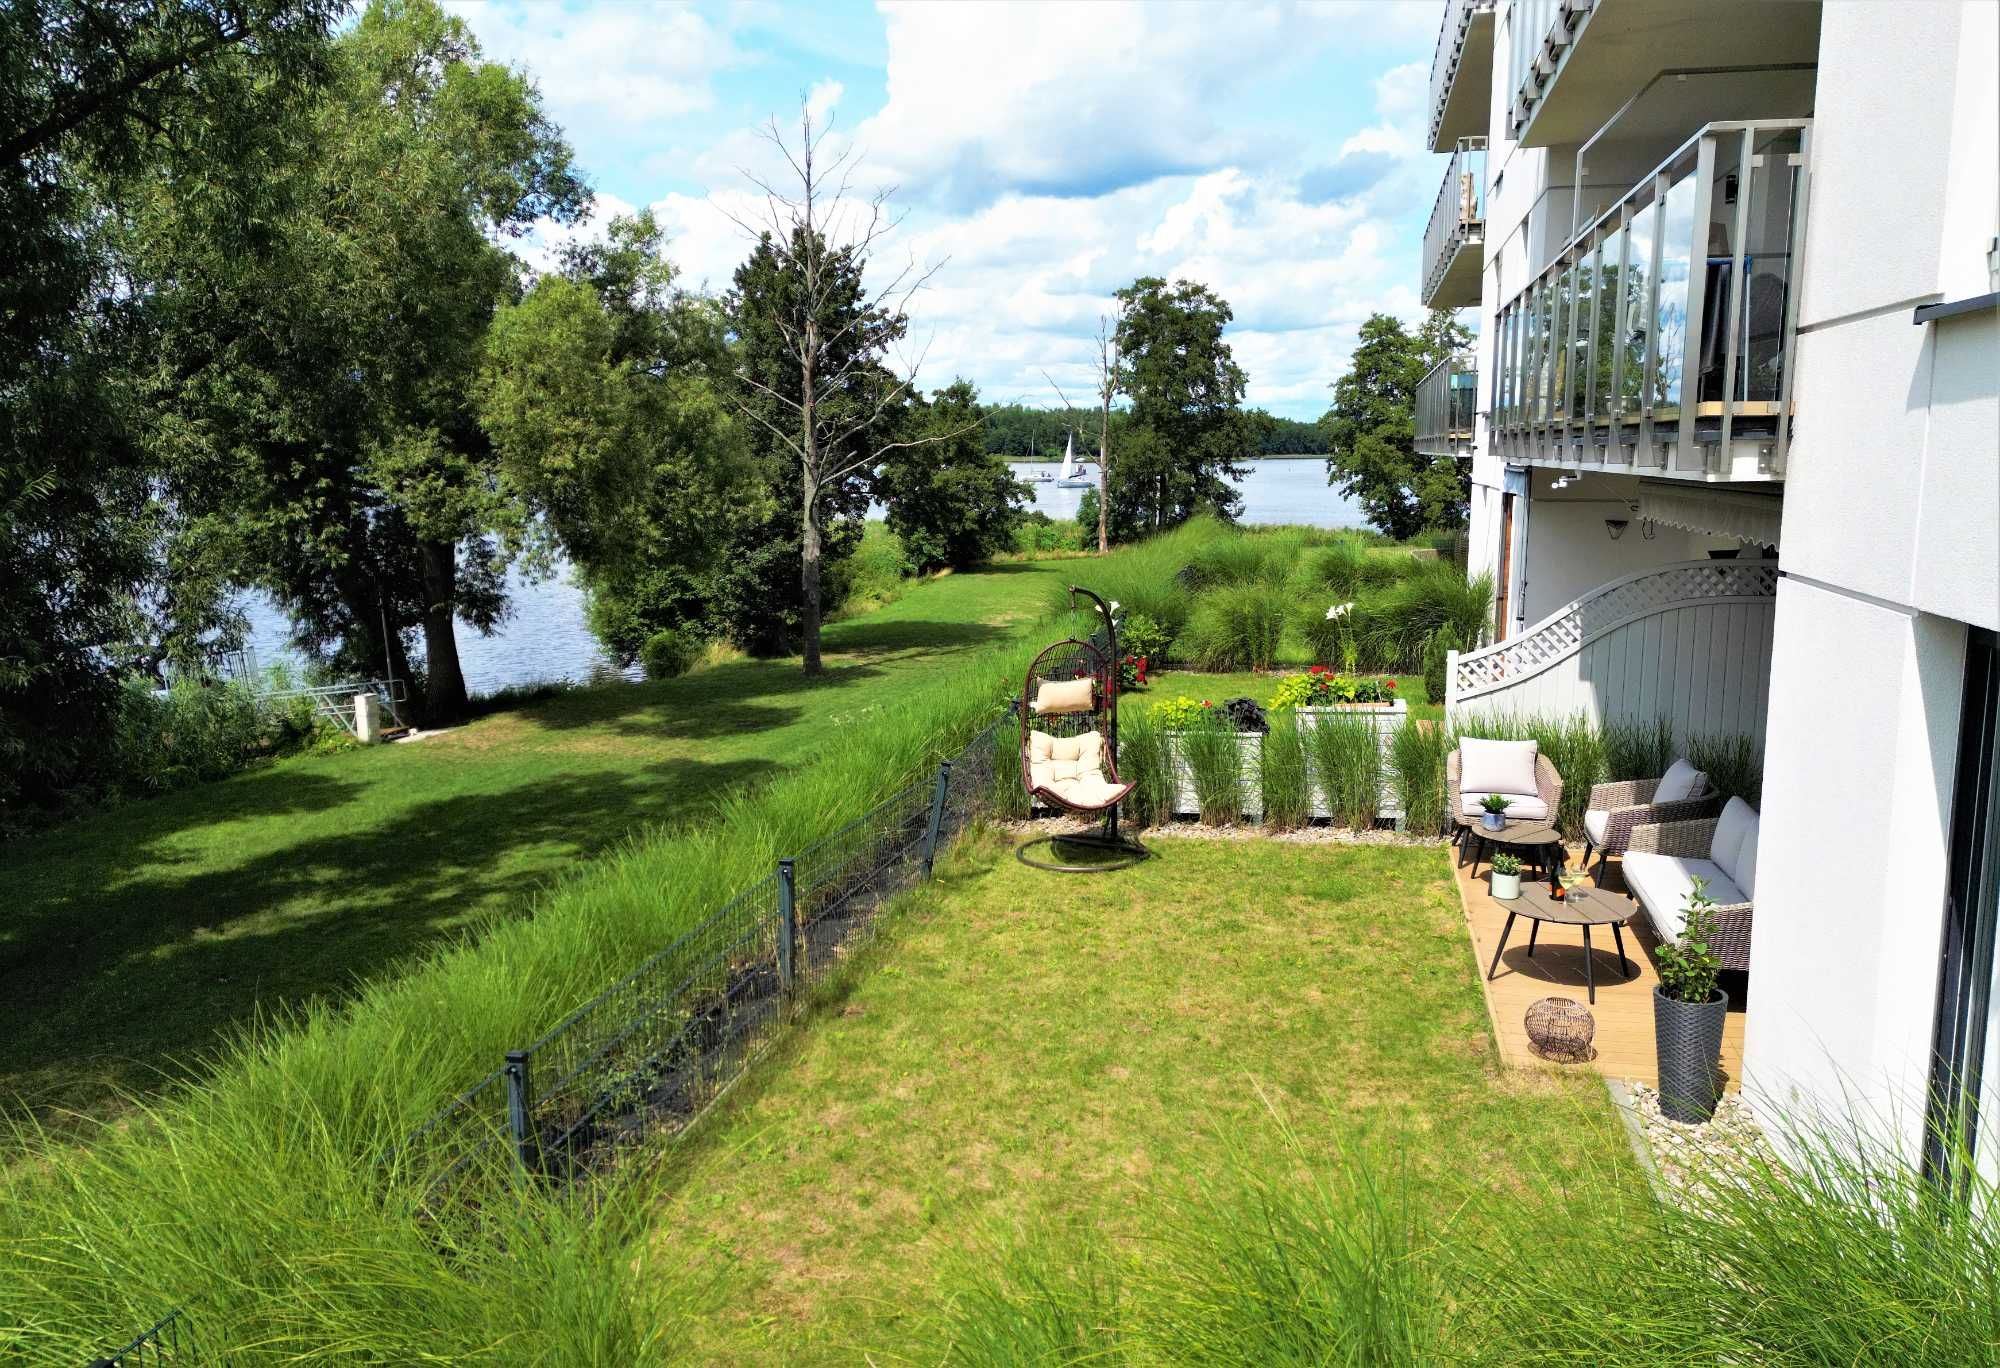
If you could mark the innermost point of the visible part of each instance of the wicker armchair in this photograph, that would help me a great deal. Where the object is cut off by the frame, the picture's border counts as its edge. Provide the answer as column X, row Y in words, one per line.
column 1694, row 840
column 1629, row 804
column 1548, row 787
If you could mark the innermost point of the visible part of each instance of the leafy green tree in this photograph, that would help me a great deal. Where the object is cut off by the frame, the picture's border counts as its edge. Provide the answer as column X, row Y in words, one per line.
column 601, row 392
column 1187, row 395
column 1371, row 429
column 97, row 102
column 324, row 383
column 950, row 503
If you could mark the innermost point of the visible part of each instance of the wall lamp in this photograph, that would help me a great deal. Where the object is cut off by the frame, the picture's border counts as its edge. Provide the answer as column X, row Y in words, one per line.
column 1616, row 527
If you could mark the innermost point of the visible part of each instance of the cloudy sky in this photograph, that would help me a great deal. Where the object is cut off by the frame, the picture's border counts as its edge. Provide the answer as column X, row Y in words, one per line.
column 1044, row 155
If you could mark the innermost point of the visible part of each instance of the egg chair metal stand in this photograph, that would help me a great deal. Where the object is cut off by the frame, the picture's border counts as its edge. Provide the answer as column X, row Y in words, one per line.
column 1070, row 662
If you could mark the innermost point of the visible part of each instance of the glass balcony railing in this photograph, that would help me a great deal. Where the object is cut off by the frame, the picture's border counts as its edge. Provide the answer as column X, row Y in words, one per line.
column 1446, row 399
column 1461, row 71
column 1662, row 335
column 1455, row 239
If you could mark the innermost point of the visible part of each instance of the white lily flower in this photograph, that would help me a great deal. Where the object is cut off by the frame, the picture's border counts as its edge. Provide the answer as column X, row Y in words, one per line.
column 1339, row 610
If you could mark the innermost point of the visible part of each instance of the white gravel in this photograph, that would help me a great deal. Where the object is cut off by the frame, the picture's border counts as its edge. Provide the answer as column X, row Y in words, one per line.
column 1692, row 1158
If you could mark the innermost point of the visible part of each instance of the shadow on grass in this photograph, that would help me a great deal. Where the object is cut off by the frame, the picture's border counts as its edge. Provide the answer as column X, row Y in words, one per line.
column 116, row 983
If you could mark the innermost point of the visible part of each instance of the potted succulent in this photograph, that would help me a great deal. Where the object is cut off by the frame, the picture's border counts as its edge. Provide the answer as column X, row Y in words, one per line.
column 1688, row 1014
column 1493, row 811
column 1506, row 880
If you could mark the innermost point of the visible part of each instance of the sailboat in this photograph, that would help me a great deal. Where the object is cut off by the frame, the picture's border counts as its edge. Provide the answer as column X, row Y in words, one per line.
column 1070, row 477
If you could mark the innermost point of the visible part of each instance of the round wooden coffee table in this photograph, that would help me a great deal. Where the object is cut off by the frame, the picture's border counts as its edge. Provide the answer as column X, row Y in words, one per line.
column 1584, row 907
column 1539, row 840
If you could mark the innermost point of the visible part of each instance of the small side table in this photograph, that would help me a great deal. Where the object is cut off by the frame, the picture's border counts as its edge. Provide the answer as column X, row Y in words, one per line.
column 1584, row 907
column 1540, row 840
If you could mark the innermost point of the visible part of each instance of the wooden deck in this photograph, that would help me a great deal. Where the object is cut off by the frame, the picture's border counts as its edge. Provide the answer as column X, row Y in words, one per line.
column 1624, row 1008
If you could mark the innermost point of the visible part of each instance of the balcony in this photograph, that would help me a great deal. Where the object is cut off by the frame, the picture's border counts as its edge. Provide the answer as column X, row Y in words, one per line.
column 1575, row 64
column 1660, row 340
column 1446, row 398
column 1455, row 240
column 1461, row 73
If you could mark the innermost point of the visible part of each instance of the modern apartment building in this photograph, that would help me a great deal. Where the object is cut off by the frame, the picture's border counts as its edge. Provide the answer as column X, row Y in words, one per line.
column 1733, row 421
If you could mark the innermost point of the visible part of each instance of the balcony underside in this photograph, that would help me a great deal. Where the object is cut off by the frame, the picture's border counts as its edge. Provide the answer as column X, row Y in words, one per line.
column 1468, row 94
column 1446, row 444
column 1617, row 48
column 1454, row 283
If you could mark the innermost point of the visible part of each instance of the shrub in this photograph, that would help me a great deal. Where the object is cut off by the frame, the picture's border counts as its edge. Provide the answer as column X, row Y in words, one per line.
column 1395, row 624
column 199, row 731
column 1437, row 660
column 1282, row 773
column 1181, row 712
column 1144, row 762
column 1235, row 628
column 1416, row 760
column 1215, row 763
column 1347, row 757
column 1141, row 635
column 670, row 652
column 1731, row 763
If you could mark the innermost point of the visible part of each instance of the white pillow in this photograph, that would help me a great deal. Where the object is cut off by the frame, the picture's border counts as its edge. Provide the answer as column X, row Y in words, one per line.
column 1065, row 696
column 1745, row 869
column 1680, row 782
column 1496, row 766
column 1738, row 820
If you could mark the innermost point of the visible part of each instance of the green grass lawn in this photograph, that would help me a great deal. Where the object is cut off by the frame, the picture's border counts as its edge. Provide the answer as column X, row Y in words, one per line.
column 1025, row 1051
column 140, row 937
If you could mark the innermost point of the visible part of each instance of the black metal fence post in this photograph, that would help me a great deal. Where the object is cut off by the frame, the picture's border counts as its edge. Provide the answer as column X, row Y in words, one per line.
column 788, row 924
column 518, row 1102
column 937, row 816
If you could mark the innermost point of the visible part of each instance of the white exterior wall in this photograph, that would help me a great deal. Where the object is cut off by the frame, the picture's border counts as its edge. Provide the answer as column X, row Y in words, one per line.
column 1891, row 544
column 1569, row 553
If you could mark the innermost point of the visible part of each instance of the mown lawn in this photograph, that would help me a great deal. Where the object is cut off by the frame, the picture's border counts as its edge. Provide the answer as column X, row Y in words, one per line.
column 139, row 939
column 1026, row 1052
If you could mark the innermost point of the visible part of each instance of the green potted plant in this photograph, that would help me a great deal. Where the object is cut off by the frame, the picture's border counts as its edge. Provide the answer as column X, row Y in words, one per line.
column 1506, row 880
column 1688, row 1014
column 1493, row 811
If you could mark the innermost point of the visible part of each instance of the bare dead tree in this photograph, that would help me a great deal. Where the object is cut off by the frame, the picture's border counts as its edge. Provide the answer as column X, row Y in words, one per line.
column 1107, row 388
column 824, row 236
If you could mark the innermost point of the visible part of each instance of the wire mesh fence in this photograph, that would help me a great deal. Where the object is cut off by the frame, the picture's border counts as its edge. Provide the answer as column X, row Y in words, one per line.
column 169, row 1340
column 650, row 1052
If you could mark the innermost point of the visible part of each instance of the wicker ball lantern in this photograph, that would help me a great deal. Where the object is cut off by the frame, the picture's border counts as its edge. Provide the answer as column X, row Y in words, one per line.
column 1561, row 1029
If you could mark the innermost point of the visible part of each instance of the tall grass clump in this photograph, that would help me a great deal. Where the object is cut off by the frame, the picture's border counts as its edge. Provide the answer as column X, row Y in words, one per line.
column 1639, row 750
column 1141, row 578
column 1284, row 774
column 1396, row 624
column 1008, row 797
column 1437, row 663
column 1144, row 763
column 1417, row 755
column 1345, row 568
column 1236, row 628
column 1347, row 762
column 1215, row 766
column 1575, row 746
column 1731, row 762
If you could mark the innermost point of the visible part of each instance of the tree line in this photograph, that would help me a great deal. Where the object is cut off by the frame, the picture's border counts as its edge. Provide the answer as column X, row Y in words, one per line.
column 1021, row 432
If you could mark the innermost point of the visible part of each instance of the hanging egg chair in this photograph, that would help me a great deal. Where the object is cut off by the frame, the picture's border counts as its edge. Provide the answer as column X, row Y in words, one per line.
column 1069, row 747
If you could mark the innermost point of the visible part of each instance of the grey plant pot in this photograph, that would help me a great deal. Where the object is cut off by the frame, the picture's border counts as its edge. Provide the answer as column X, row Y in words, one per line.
column 1688, row 1039
column 1493, row 821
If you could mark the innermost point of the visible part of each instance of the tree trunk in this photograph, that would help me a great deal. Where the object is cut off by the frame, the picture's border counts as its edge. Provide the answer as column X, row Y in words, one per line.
column 1103, row 475
column 809, row 511
column 444, row 692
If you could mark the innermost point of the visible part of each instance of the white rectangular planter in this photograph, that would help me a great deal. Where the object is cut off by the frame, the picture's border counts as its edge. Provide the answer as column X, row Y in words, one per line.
column 1386, row 717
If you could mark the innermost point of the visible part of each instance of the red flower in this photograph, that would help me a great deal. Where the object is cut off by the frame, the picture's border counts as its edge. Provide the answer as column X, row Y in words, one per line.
column 1204, row 703
column 1388, row 683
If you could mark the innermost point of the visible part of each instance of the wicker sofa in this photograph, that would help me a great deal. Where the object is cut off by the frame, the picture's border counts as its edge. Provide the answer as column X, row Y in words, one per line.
column 1545, row 802
column 1615, row 809
column 1663, row 860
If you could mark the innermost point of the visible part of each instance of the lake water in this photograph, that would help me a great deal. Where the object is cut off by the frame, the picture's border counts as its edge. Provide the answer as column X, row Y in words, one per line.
column 545, row 640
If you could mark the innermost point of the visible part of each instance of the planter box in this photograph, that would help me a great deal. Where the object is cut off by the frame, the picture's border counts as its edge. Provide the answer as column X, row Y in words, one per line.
column 1386, row 717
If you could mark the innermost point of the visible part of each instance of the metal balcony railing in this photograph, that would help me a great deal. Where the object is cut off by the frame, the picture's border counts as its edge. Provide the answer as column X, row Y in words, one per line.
column 1447, row 64
column 1538, row 33
column 1662, row 336
column 1446, row 399
column 1457, row 227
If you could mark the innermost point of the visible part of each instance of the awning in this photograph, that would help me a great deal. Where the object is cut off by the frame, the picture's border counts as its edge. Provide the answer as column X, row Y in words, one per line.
column 1750, row 518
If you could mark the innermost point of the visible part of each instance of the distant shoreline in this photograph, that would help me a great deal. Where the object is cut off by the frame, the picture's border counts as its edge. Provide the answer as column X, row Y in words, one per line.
column 1057, row 460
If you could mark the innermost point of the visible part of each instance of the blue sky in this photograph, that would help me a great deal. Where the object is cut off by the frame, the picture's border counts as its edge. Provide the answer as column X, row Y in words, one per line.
column 1044, row 155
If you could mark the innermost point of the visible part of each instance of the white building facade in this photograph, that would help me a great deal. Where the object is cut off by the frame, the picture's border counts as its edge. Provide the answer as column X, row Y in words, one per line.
column 1735, row 451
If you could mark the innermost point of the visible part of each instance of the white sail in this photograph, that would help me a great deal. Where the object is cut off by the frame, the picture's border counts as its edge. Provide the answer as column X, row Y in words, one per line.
column 1069, row 458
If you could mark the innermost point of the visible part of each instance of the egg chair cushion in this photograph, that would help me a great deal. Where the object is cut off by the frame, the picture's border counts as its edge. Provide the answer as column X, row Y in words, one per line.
column 1065, row 696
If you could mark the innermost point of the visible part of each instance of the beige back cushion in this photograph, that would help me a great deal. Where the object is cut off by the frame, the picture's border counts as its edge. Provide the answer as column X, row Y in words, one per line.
column 1064, row 696
column 1496, row 766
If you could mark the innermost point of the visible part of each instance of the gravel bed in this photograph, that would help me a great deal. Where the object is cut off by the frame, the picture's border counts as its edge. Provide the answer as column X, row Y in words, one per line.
column 1693, row 1158
column 1309, row 835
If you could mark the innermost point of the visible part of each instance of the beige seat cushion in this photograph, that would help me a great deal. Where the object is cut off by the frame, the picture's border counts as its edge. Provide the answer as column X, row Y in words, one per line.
column 1064, row 696
column 1521, row 807
column 1595, row 823
column 1088, row 790
column 1054, row 761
